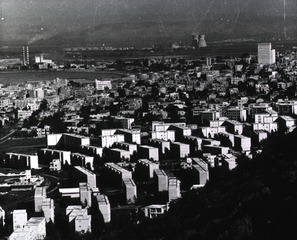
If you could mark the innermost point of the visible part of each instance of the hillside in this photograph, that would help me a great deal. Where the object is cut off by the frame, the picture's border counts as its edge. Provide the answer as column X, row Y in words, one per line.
column 257, row 200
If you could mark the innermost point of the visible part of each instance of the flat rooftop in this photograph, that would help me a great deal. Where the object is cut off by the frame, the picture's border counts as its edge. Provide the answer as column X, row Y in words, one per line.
column 84, row 170
column 102, row 199
column 160, row 172
column 129, row 182
column 147, row 162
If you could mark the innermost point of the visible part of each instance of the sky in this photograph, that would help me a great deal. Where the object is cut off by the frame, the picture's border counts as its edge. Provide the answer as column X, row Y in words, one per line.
column 143, row 21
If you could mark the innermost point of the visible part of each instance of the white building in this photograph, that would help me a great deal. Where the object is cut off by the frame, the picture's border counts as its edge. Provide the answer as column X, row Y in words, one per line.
column 210, row 132
column 154, row 210
column 85, row 194
column 104, row 207
column 266, row 55
column 160, row 180
column 2, row 217
column 22, row 160
column 79, row 220
column 200, row 171
column 173, row 188
column 48, row 208
column 55, row 165
column 269, row 127
column 146, row 168
column 34, row 229
column 108, row 141
column 116, row 173
column 20, row 219
column 82, row 174
column 180, row 150
column 47, row 155
column 83, row 223
column 78, row 159
column 101, row 85
column 39, row 196
column 130, row 190
column 148, row 152
column 242, row 143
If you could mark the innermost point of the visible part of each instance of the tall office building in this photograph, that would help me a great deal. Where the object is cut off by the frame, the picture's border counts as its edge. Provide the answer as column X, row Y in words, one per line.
column 26, row 56
column 266, row 55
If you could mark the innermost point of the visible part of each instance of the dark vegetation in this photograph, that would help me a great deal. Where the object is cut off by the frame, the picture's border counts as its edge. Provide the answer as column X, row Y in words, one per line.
column 257, row 200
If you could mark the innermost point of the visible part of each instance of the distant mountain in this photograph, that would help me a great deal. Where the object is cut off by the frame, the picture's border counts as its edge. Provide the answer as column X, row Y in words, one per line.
column 124, row 22
column 257, row 200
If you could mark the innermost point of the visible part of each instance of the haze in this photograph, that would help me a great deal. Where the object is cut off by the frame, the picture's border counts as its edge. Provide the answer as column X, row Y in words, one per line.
column 143, row 22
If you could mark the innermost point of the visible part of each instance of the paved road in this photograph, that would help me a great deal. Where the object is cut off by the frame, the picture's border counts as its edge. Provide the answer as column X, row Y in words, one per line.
column 7, row 137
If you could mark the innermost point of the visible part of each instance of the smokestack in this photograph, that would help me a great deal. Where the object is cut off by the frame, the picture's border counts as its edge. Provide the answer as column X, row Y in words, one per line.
column 28, row 57
column 202, row 42
column 24, row 57
column 195, row 40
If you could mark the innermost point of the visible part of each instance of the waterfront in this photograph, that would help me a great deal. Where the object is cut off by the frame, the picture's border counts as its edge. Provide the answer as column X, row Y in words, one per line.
column 25, row 76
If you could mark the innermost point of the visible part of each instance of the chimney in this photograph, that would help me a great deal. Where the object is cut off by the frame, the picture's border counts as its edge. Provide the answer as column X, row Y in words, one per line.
column 195, row 40
column 202, row 42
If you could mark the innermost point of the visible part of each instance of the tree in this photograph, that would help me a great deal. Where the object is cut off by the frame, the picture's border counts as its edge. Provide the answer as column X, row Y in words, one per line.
column 43, row 105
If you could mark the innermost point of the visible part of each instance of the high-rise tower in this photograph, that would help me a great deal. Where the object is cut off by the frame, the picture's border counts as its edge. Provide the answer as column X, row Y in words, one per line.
column 266, row 55
column 26, row 56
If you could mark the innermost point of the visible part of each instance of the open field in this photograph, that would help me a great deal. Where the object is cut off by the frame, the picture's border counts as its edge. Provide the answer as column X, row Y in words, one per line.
column 25, row 76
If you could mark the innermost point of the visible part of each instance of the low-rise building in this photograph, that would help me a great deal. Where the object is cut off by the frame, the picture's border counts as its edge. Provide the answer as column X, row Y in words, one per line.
column 104, row 207
column 162, row 145
column 47, row 155
column 115, row 174
column 55, row 165
column 130, row 147
column 179, row 150
column 173, row 188
column 145, row 168
column 242, row 143
column 215, row 150
column 160, row 180
column 269, row 127
column 35, row 228
column 148, row 152
column 91, row 150
column 19, row 218
column 79, row 221
column 83, row 223
column 154, row 210
column 22, row 160
column 118, row 155
column 48, row 209
column 233, row 127
column 2, row 217
column 85, row 194
column 130, row 190
column 200, row 172
column 210, row 132
column 78, row 159
column 81, row 174
column 39, row 196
